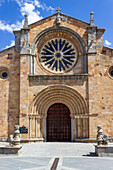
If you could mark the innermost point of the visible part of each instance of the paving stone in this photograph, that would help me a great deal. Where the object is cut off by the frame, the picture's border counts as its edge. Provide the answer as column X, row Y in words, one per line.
column 40, row 156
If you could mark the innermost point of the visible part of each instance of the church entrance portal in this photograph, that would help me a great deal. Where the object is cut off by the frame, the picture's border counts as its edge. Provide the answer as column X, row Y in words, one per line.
column 58, row 123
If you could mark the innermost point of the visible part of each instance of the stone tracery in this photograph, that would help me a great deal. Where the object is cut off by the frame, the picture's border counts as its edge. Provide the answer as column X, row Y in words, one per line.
column 58, row 55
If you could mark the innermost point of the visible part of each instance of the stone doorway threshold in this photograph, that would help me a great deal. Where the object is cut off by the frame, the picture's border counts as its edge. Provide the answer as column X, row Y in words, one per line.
column 28, row 140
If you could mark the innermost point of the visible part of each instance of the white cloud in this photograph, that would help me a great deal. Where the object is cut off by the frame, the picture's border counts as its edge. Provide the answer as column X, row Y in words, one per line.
column 19, row 2
column 12, row 44
column 31, row 7
column 16, row 26
column 27, row 8
column 107, row 43
column 51, row 8
column 43, row 6
column 33, row 15
column 6, row 27
column 37, row 3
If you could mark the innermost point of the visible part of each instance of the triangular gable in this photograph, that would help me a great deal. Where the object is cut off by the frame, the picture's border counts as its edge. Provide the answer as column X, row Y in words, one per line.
column 62, row 17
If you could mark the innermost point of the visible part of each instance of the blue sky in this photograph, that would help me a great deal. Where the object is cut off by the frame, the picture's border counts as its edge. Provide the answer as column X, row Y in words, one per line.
column 12, row 15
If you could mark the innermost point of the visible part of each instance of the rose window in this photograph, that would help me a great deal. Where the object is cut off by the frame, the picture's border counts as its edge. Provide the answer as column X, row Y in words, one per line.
column 58, row 55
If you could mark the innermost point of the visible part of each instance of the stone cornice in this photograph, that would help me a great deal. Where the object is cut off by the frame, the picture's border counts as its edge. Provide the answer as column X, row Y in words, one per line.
column 57, row 77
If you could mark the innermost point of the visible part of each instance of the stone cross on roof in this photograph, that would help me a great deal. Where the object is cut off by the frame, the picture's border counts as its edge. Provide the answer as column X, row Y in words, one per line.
column 58, row 9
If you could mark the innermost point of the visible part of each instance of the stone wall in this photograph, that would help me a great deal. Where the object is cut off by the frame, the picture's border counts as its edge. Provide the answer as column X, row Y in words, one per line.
column 20, row 89
column 100, row 92
column 9, row 92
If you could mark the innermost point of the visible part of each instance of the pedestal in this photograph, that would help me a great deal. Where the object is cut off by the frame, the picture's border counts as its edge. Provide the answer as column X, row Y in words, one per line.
column 104, row 150
column 10, row 149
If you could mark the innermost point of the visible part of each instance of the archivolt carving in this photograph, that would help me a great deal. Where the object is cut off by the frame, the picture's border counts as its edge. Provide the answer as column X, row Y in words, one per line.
column 58, row 94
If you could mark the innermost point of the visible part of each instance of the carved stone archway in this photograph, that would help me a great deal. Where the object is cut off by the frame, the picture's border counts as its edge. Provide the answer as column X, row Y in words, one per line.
column 60, row 94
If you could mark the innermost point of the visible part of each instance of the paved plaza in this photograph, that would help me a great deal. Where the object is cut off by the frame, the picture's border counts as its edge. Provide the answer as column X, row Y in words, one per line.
column 42, row 156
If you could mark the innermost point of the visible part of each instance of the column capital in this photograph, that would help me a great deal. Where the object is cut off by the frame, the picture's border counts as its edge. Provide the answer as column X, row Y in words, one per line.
column 45, row 115
column 30, row 117
column 42, row 115
column 72, row 116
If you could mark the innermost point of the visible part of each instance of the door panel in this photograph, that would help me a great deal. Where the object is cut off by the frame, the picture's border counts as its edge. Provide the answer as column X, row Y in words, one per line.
column 58, row 123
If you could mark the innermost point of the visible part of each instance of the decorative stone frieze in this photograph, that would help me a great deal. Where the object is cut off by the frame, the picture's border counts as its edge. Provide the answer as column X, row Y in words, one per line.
column 57, row 77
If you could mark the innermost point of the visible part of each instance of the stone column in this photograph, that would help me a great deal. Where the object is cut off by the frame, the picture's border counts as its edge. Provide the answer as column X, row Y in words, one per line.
column 39, row 118
column 36, row 127
column 45, row 127
column 75, row 127
column 41, row 135
column 81, row 127
column 32, row 65
column 87, row 127
column 72, row 128
column 29, row 127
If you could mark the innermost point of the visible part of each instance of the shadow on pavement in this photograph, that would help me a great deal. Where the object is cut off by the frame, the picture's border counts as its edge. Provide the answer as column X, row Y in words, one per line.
column 91, row 154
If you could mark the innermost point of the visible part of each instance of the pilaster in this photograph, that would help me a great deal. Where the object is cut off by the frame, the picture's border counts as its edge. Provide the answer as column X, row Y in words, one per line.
column 24, row 90
column 24, row 72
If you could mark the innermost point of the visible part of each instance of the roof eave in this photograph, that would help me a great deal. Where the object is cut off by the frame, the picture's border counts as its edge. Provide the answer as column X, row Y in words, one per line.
column 108, row 47
column 6, row 49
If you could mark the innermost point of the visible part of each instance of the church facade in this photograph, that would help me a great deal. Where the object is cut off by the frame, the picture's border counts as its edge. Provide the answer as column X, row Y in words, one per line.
column 57, row 80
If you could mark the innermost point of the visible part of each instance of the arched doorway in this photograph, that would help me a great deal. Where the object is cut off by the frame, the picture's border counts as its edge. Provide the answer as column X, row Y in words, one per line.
column 58, row 123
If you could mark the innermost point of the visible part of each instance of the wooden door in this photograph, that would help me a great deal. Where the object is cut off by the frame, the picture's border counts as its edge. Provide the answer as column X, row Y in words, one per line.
column 58, row 123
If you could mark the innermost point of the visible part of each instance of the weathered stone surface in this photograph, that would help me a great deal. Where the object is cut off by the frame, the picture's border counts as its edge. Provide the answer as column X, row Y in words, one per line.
column 103, row 150
column 10, row 150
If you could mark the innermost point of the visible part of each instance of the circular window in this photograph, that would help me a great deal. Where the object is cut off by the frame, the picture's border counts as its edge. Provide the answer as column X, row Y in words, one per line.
column 3, row 73
column 111, row 71
column 58, row 55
